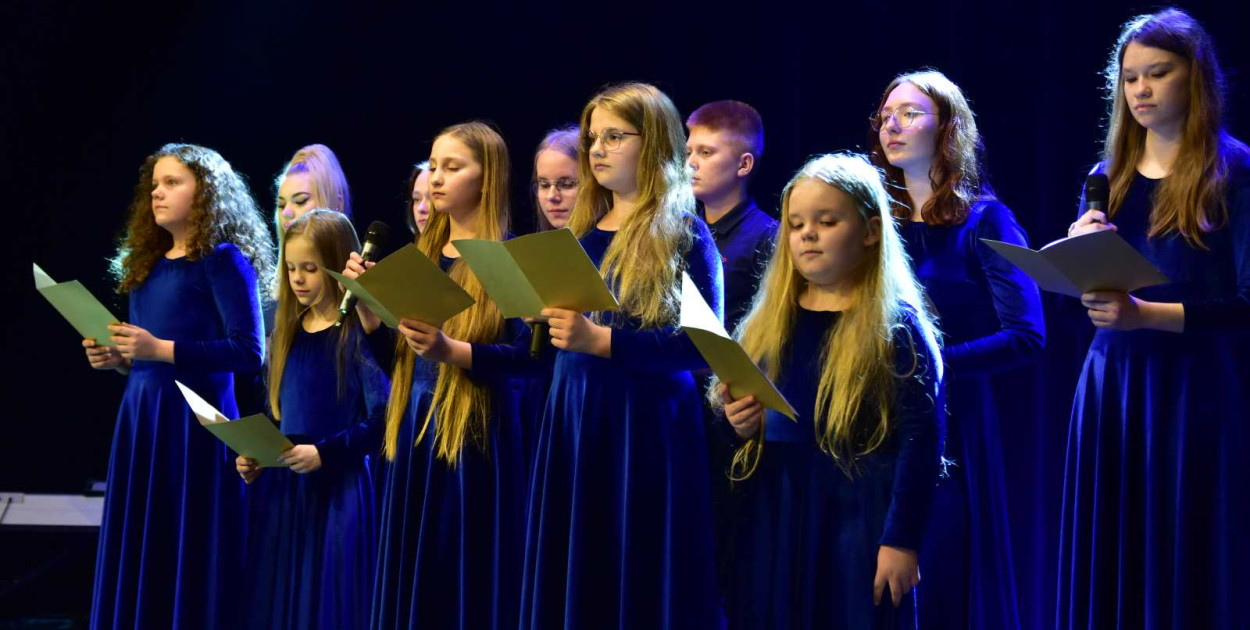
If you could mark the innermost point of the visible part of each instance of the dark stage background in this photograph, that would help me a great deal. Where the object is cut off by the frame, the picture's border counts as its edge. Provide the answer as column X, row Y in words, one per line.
column 90, row 89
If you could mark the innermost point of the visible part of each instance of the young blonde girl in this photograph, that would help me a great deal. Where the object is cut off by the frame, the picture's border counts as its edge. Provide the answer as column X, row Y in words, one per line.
column 833, row 506
column 312, row 525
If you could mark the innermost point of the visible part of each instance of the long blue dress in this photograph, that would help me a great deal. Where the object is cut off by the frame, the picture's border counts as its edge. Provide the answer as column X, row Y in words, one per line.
column 807, row 534
column 452, row 538
column 312, row 543
column 1156, row 500
column 172, row 539
column 991, row 314
column 620, row 530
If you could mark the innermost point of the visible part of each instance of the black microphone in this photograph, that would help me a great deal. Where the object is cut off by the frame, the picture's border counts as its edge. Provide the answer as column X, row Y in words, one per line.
column 538, row 338
column 1097, row 193
column 375, row 240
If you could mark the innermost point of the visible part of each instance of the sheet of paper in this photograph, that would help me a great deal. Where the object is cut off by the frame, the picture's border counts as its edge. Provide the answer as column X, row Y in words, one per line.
column 724, row 355
column 203, row 410
column 76, row 304
column 407, row 284
column 1079, row 264
column 254, row 436
column 546, row 269
column 503, row 280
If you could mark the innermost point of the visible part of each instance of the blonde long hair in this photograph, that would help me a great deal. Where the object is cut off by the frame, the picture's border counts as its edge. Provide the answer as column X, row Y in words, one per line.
column 643, row 263
column 858, row 379
column 461, row 407
column 334, row 239
column 326, row 176
column 1192, row 199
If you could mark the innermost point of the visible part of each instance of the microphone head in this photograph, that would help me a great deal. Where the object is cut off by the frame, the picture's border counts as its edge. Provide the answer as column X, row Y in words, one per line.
column 379, row 232
column 1097, row 191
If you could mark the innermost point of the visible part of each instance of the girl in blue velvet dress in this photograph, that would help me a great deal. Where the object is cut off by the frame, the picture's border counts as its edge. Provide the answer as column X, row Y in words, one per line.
column 312, row 528
column 195, row 253
column 1155, row 509
column 453, row 522
column 620, row 523
column 833, row 507
column 926, row 140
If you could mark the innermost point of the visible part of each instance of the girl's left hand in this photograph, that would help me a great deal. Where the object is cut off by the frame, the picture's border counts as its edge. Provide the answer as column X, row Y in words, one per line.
column 427, row 341
column 136, row 343
column 897, row 568
column 572, row 331
column 302, row 458
column 1113, row 309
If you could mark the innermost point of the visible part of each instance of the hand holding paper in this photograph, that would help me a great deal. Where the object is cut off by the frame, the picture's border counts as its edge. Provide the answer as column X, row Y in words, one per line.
column 76, row 304
column 407, row 284
column 724, row 355
column 253, row 437
column 745, row 414
column 1077, row 265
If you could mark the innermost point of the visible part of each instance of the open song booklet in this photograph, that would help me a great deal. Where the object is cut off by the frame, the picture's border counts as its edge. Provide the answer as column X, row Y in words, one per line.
column 254, row 436
column 407, row 285
column 1098, row 261
column 526, row 274
column 76, row 304
column 725, row 355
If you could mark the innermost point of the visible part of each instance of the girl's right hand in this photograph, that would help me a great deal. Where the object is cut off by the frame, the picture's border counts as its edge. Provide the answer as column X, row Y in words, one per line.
column 247, row 468
column 103, row 357
column 745, row 414
column 356, row 266
column 1091, row 221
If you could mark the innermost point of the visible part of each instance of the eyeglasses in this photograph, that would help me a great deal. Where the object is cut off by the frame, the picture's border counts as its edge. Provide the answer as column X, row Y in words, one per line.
column 563, row 184
column 611, row 139
column 904, row 117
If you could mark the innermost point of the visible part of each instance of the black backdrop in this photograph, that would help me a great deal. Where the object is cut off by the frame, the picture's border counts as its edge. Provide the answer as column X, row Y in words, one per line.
column 90, row 89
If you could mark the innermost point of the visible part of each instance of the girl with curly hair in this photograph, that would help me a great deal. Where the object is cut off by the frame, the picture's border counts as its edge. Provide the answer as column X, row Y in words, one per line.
column 192, row 260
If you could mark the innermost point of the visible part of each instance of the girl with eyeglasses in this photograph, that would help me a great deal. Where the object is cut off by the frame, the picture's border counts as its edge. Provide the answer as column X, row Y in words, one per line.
column 555, row 177
column 926, row 141
column 620, row 523
column 1155, row 509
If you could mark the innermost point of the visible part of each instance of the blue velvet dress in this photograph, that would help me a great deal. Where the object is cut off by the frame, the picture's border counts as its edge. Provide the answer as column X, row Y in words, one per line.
column 1156, row 502
column 173, row 535
column 806, row 535
column 620, row 530
column 452, row 537
column 991, row 315
column 313, row 537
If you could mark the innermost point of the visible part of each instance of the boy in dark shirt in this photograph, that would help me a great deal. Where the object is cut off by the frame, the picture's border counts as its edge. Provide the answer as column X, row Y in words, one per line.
column 725, row 143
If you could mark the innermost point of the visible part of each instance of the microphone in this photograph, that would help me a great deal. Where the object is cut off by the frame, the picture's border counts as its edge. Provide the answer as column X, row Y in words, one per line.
column 375, row 240
column 538, row 339
column 1097, row 192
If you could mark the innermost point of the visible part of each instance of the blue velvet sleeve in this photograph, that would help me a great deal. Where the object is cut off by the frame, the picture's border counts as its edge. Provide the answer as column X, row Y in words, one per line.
column 364, row 437
column 510, row 358
column 919, row 426
column 668, row 348
column 235, row 294
column 1230, row 313
column 1017, row 301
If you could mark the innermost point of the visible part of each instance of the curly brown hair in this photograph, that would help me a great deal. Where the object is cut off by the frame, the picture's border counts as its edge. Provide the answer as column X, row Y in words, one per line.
column 223, row 211
column 956, row 173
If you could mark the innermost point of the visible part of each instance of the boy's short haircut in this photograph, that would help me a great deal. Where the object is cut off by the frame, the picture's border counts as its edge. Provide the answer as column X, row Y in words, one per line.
column 734, row 117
